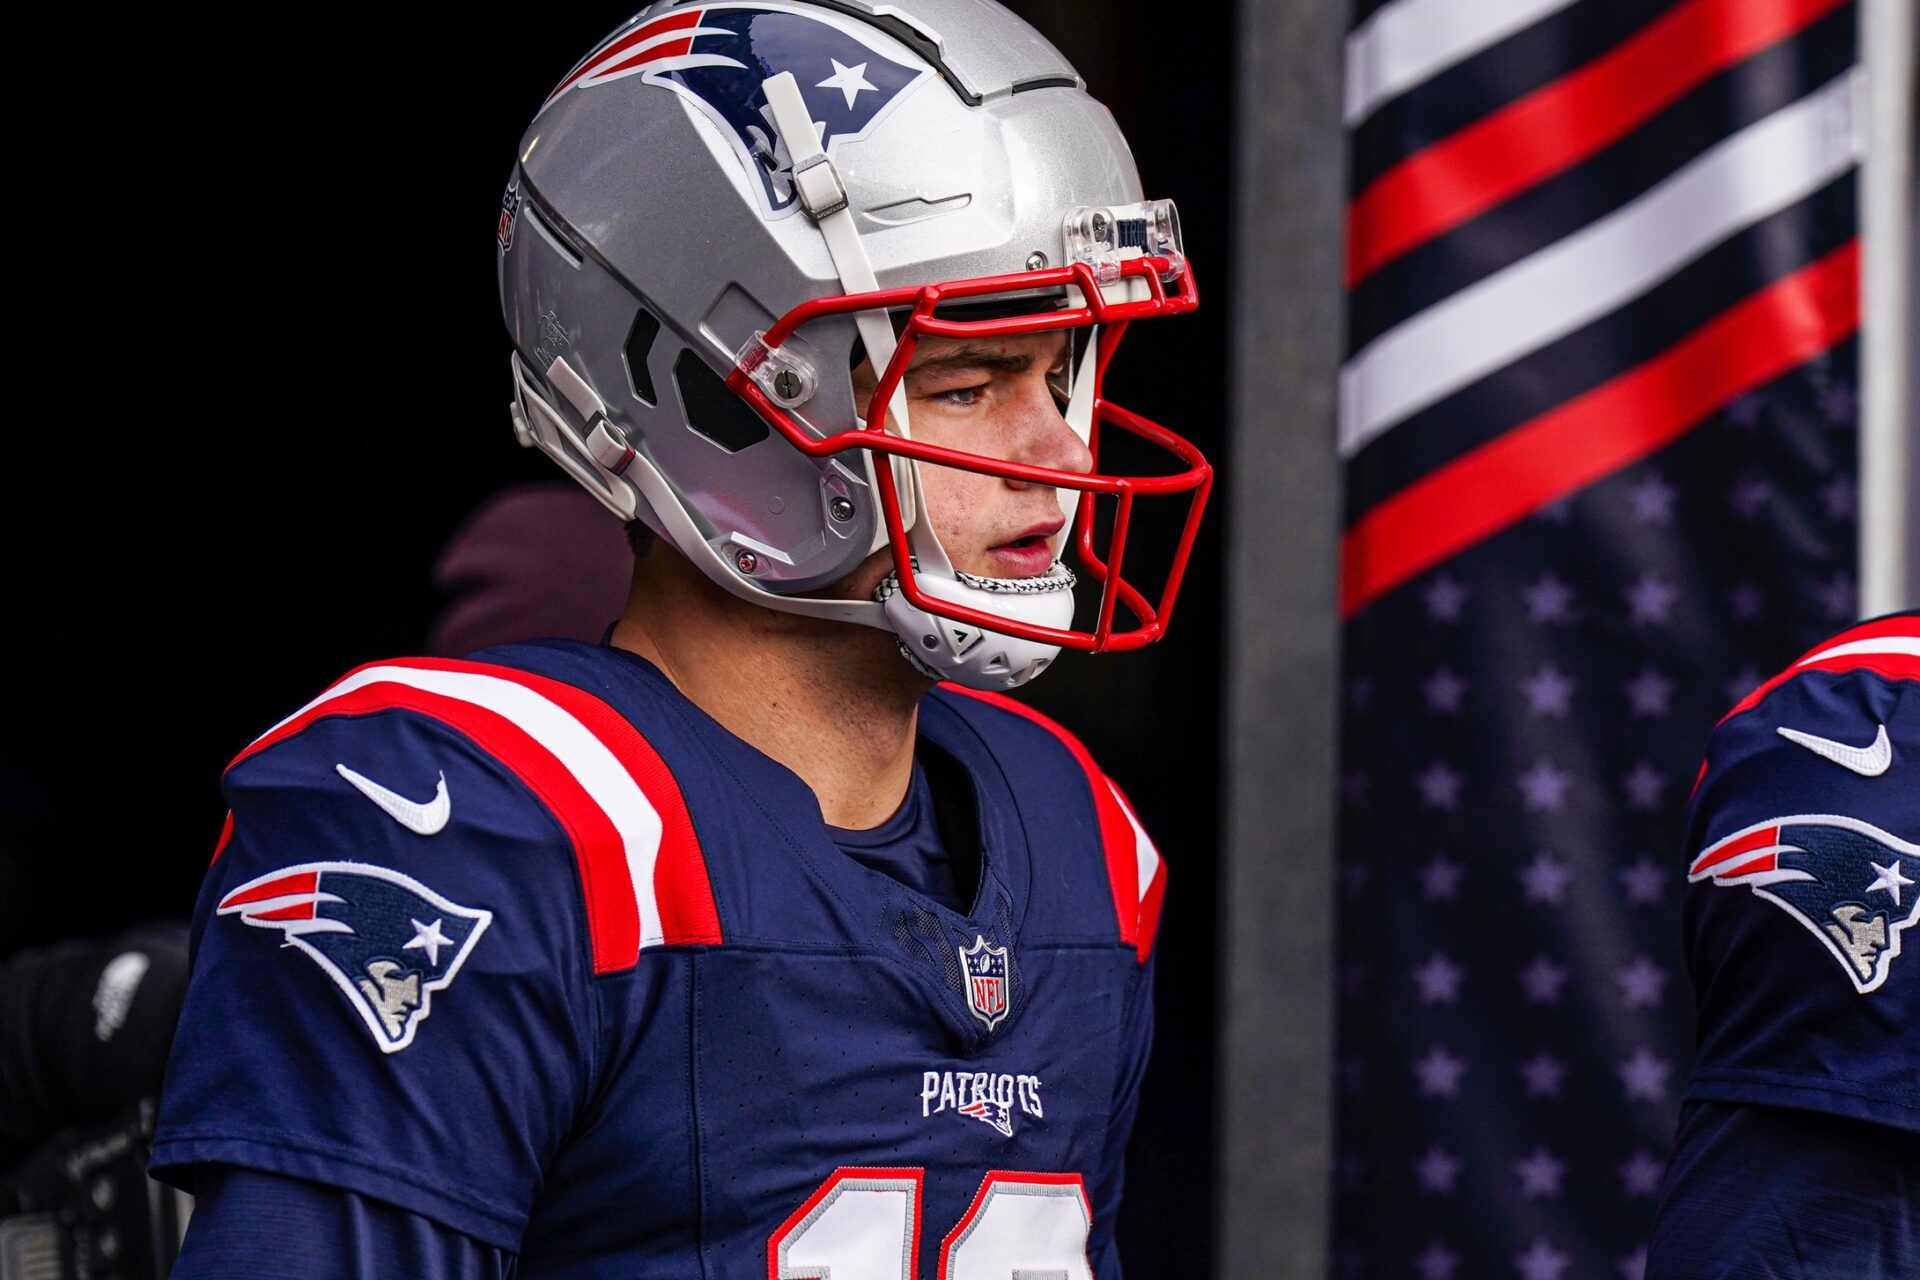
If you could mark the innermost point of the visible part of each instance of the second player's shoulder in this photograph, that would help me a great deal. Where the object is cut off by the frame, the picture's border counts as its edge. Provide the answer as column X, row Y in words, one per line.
column 1836, row 723
column 1065, row 785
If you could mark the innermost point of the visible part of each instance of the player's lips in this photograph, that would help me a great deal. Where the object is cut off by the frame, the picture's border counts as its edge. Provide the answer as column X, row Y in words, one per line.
column 1028, row 553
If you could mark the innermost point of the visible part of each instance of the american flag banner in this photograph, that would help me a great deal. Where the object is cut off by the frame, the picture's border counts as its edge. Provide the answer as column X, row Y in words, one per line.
column 1598, row 423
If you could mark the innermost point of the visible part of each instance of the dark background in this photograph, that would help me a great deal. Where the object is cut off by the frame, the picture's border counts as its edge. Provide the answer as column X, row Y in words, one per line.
column 260, row 377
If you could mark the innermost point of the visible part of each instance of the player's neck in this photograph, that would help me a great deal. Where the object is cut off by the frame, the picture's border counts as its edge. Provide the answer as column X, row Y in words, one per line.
column 833, row 702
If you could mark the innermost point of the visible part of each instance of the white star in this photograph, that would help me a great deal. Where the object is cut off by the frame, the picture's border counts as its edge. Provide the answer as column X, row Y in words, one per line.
column 1545, row 878
column 1542, row 980
column 1643, row 785
column 1644, row 1076
column 1548, row 600
column 850, row 81
column 1439, row 786
column 1440, row 1073
column 1649, row 693
column 1443, row 598
column 1543, row 787
column 1891, row 879
column 1436, row 1170
column 1440, row 878
column 1650, row 599
column 428, row 937
column 1543, row 1074
column 1438, row 980
column 1652, row 500
column 1542, row 1262
column 1548, row 691
column 1540, row 1174
column 1641, row 1174
column 1641, row 983
column 1747, row 600
column 1443, row 690
column 1645, row 882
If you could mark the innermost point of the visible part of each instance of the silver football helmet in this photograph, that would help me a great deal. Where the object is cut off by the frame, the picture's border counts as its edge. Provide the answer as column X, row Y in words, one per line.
column 726, row 205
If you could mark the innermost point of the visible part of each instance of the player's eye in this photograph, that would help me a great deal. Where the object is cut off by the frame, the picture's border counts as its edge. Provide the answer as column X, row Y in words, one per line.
column 961, row 397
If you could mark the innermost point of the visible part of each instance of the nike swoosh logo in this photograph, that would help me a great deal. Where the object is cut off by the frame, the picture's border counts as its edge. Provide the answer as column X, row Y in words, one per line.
column 1869, row 761
column 421, row 819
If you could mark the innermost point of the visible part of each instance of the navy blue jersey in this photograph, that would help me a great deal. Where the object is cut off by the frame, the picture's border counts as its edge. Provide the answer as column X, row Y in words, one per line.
column 533, row 948
column 1804, row 886
column 1797, row 1155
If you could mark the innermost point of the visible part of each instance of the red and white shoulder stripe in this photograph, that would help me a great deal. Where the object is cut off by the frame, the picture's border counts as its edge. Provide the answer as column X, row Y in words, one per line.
column 641, row 868
column 1138, row 876
column 1886, row 646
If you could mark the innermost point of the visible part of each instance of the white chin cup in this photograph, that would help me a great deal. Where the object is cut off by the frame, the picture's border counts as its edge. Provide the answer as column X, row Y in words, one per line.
column 943, row 649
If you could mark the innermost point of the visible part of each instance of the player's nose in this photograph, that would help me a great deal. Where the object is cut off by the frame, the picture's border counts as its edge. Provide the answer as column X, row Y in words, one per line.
column 1043, row 437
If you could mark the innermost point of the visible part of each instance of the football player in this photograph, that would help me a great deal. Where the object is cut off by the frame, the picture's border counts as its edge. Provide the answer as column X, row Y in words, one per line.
column 1798, row 1155
column 767, row 938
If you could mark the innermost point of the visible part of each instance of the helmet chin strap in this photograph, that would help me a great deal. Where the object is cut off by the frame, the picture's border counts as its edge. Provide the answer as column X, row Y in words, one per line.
column 938, row 647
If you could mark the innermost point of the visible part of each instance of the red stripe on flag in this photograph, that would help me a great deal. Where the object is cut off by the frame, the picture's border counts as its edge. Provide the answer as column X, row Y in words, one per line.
column 1560, row 124
column 672, row 22
column 1612, row 426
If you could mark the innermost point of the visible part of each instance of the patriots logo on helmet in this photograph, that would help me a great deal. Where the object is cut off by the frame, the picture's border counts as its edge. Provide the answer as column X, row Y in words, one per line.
column 719, row 56
column 385, row 939
column 1850, row 883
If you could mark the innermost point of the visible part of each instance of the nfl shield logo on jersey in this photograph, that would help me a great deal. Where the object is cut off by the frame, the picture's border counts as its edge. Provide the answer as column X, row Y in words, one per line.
column 988, row 981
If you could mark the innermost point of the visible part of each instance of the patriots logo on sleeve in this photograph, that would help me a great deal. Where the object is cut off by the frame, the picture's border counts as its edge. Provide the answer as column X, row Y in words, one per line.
column 718, row 56
column 1849, row 883
column 385, row 939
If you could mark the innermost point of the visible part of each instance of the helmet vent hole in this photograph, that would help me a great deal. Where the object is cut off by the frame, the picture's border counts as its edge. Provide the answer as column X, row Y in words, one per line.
column 646, row 327
column 713, row 410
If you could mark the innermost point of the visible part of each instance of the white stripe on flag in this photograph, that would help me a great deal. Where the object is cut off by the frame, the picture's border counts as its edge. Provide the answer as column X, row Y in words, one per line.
column 592, row 764
column 1408, row 41
column 1766, row 167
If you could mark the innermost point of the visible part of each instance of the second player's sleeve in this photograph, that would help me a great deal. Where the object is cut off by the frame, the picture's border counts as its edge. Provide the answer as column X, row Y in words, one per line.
column 391, row 990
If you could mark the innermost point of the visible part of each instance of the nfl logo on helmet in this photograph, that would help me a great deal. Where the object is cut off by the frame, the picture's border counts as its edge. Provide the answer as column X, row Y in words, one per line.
column 987, row 980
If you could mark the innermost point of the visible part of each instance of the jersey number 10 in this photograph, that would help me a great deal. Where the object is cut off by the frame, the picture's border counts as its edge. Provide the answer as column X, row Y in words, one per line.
column 864, row 1224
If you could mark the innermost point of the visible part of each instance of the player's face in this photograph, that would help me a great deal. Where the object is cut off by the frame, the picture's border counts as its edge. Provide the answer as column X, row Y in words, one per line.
column 998, row 398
